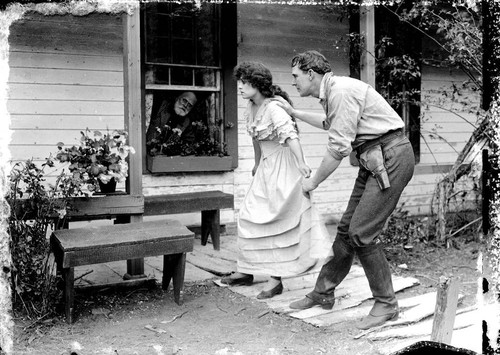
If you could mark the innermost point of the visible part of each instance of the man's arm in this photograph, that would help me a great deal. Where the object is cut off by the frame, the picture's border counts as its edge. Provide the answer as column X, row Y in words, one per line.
column 328, row 165
column 314, row 119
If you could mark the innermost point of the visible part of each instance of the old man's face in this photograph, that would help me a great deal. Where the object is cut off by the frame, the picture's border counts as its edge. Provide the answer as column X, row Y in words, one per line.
column 184, row 103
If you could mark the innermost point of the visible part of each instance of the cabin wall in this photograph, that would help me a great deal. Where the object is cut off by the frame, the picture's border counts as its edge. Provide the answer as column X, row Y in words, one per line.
column 273, row 34
column 66, row 75
column 446, row 126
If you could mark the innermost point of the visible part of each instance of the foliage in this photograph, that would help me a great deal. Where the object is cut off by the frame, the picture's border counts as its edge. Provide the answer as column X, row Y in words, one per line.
column 455, row 29
column 403, row 232
column 101, row 157
column 35, row 206
column 170, row 142
column 450, row 36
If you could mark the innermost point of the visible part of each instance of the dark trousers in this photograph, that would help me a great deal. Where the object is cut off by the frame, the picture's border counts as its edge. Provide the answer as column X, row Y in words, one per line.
column 357, row 234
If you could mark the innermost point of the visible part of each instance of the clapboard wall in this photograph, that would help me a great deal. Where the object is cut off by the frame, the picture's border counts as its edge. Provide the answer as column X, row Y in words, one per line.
column 66, row 75
column 446, row 126
column 273, row 34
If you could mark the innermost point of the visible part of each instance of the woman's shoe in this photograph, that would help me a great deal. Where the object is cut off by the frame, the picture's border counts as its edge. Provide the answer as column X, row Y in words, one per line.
column 246, row 280
column 276, row 290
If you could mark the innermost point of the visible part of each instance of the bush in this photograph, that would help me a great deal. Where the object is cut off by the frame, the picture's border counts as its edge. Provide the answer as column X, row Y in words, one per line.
column 35, row 206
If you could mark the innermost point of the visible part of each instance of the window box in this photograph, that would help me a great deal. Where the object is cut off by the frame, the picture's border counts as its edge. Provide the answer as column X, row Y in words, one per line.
column 172, row 164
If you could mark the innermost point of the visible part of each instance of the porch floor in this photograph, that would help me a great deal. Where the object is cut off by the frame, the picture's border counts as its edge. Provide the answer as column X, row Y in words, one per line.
column 352, row 303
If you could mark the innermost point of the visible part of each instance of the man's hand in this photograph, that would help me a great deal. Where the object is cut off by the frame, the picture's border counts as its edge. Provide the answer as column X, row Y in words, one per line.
column 254, row 170
column 286, row 106
column 307, row 186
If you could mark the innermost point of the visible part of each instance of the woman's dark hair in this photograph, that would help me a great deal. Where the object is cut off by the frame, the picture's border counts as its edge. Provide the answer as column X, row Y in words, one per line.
column 260, row 77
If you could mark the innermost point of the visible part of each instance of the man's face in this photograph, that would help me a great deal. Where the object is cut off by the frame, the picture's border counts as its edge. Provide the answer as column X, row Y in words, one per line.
column 184, row 104
column 301, row 81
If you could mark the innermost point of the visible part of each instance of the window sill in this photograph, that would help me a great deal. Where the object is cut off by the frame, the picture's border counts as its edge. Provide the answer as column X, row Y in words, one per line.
column 172, row 164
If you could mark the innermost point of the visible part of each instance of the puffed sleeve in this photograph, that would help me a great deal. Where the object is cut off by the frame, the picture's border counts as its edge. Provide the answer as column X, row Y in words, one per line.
column 282, row 122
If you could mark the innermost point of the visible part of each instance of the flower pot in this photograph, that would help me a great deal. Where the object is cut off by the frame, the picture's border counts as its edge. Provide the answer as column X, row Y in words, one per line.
column 108, row 188
column 189, row 163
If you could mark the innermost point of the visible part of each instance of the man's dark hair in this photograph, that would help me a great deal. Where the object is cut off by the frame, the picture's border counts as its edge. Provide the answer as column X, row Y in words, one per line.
column 312, row 60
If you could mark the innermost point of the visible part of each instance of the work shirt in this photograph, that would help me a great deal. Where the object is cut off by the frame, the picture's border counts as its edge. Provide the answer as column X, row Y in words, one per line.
column 355, row 113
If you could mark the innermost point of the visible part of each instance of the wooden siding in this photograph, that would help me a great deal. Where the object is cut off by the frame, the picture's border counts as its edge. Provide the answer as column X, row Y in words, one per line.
column 273, row 34
column 268, row 33
column 66, row 75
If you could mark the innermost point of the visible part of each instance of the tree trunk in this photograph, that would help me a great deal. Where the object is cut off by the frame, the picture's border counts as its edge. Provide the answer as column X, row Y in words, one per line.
column 475, row 144
column 491, row 100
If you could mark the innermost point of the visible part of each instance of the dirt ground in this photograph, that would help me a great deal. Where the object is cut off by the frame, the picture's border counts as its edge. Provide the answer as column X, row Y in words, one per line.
column 214, row 320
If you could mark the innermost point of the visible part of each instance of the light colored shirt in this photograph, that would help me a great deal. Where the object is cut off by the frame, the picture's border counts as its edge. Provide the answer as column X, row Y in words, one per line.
column 355, row 113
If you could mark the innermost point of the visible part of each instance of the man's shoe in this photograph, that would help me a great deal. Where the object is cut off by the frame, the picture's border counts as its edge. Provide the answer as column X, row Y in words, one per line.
column 276, row 290
column 307, row 303
column 246, row 280
column 371, row 321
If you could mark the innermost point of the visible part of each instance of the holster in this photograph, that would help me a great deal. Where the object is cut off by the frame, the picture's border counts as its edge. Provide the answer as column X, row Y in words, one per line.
column 372, row 160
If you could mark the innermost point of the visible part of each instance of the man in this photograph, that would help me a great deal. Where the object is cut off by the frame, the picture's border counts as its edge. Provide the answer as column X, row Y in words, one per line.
column 357, row 118
column 176, row 116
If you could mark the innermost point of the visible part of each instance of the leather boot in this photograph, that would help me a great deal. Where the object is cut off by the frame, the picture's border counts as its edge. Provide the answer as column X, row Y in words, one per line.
column 331, row 275
column 378, row 273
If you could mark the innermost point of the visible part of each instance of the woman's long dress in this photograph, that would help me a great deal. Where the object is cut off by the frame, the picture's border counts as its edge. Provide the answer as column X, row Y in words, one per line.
column 276, row 223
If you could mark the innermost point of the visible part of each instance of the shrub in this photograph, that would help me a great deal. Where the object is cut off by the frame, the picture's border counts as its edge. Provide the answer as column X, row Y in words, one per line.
column 35, row 206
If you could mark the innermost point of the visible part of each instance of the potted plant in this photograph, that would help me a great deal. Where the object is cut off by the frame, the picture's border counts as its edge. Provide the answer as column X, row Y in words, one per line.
column 99, row 161
column 170, row 152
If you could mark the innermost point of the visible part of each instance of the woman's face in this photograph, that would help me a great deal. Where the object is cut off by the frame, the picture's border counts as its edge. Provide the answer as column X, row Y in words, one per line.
column 246, row 90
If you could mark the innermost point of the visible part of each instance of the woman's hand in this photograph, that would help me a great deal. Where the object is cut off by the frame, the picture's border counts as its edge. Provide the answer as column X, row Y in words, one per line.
column 305, row 170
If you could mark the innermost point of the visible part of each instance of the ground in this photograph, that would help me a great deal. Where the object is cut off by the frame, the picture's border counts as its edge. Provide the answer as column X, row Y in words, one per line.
column 214, row 320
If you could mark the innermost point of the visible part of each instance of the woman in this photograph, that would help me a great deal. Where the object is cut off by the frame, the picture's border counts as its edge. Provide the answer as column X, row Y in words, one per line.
column 275, row 221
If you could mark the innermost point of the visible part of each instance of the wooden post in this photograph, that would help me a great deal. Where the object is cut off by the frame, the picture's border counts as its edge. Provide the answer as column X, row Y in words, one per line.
column 446, row 309
column 486, row 193
column 367, row 30
column 367, row 60
column 133, row 99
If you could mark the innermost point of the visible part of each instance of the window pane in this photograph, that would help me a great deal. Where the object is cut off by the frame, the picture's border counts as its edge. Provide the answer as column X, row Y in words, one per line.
column 181, row 76
column 182, row 33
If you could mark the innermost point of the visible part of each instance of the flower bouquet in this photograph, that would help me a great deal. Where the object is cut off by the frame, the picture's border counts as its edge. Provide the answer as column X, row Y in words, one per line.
column 99, row 159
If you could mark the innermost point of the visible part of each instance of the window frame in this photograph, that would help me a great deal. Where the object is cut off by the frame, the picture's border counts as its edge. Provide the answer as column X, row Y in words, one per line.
column 226, row 99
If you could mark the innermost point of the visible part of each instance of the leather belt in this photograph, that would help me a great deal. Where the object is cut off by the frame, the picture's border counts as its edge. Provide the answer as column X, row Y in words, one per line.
column 388, row 140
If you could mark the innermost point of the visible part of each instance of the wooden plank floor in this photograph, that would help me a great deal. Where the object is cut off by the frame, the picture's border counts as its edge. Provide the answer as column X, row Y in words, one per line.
column 352, row 303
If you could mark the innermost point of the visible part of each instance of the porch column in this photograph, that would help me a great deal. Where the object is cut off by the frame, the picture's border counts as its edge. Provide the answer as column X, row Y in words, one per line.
column 367, row 30
column 133, row 100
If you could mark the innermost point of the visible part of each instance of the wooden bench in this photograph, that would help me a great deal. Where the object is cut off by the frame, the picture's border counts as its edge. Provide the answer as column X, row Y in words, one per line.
column 208, row 202
column 101, row 244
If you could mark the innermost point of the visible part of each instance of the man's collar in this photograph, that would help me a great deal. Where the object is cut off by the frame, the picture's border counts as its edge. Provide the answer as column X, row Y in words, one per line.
column 322, row 94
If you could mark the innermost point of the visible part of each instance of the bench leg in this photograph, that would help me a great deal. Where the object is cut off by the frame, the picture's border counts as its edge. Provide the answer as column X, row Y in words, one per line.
column 174, row 267
column 69, row 292
column 135, row 267
column 210, row 224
